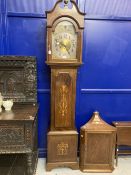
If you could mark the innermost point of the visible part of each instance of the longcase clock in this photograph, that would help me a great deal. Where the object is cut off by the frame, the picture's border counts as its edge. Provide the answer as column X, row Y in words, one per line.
column 65, row 24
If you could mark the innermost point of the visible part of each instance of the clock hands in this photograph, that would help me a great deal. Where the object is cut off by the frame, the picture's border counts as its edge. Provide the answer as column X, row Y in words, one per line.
column 65, row 47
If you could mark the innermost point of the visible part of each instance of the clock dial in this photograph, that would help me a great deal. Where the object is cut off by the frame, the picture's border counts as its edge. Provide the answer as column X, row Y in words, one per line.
column 64, row 41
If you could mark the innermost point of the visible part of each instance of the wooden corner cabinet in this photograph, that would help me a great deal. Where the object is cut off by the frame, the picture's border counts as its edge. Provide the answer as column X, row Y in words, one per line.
column 65, row 24
column 97, row 145
column 18, row 127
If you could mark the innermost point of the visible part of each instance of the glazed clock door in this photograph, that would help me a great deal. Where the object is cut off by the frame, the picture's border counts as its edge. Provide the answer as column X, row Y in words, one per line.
column 64, row 41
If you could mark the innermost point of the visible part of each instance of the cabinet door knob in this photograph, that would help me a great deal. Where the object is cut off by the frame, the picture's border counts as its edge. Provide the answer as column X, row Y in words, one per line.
column 82, row 136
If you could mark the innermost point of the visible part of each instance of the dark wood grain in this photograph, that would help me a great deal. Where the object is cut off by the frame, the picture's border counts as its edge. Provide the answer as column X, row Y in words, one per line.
column 18, row 79
column 18, row 127
column 16, row 164
column 63, row 98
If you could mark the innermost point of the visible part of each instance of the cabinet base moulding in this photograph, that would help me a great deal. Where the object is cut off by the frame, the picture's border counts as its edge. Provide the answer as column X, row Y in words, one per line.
column 96, row 169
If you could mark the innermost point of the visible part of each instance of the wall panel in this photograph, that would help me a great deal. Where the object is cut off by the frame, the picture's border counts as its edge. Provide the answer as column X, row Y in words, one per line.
column 1, row 41
column 27, row 36
column 112, row 106
column 43, row 120
column 106, row 55
column 30, row 6
column 106, row 8
column 2, row 26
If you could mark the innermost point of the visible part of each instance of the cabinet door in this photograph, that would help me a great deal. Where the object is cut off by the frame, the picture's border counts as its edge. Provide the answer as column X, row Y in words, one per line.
column 98, row 148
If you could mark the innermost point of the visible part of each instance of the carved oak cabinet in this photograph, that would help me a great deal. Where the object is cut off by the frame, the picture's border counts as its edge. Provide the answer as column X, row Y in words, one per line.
column 97, row 145
column 18, row 127
column 65, row 24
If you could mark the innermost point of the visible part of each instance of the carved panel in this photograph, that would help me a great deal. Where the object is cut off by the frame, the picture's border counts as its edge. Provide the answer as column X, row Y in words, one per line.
column 11, row 82
column 28, row 134
column 63, row 96
column 11, row 135
column 18, row 78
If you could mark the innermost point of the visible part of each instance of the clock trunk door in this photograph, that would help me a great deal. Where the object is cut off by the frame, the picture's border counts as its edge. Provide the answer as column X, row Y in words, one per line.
column 63, row 90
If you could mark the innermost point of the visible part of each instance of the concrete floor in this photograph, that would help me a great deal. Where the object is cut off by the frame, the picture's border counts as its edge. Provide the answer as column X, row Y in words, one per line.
column 123, row 168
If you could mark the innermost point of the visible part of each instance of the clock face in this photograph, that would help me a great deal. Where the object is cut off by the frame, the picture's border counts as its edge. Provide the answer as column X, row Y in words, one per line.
column 64, row 41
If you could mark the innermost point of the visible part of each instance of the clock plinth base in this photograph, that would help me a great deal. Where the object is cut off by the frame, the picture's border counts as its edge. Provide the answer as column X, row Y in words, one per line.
column 72, row 165
column 62, row 149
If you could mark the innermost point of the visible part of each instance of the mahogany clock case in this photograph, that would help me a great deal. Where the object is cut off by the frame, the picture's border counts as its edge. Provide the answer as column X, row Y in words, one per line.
column 64, row 54
column 18, row 127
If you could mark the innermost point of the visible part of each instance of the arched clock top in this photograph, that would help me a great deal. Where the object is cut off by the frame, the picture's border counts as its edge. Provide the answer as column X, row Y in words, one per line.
column 59, row 12
column 57, row 21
